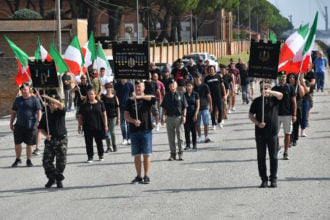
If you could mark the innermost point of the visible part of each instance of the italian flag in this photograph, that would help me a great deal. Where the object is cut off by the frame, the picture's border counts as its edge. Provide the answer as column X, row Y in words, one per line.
column 41, row 53
column 292, row 45
column 88, row 51
column 302, row 59
column 60, row 64
column 73, row 56
column 101, row 61
column 23, row 75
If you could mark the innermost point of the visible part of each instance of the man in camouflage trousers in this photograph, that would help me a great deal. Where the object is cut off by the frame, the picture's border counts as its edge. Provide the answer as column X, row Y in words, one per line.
column 56, row 142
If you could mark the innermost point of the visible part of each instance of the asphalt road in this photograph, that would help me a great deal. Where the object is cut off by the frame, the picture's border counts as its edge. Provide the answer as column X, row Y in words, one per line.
column 219, row 181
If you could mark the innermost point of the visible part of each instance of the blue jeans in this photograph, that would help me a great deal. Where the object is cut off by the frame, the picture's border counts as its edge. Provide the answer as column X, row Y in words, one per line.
column 262, row 144
column 320, row 80
column 305, row 108
column 245, row 93
column 141, row 143
column 124, row 126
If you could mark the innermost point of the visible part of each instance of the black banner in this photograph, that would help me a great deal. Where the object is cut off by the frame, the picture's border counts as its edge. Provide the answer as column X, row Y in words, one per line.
column 131, row 61
column 44, row 74
column 264, row 59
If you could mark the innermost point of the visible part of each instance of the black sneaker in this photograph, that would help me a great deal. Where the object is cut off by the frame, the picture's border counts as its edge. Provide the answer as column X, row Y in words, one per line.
column 50, row 183
column 17, row 161
column 273, row 184
column 187, row 148
column 108, row 150
column 137, row 180
column 285, row 156
column 263, row 184
column 59, row 184
column 294, row 143
column 29, row 163
column 146, row 180
column 114, row 148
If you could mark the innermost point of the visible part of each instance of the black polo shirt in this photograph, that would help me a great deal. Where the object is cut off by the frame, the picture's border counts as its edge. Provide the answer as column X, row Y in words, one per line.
column 174, row 104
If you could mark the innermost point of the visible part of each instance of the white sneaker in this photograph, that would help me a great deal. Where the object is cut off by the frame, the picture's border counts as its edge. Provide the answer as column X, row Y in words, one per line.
column 229, row 112
column 129, row 142
column 220, row 125
column 233, row 109
column 200, row 139
column 214, row 127
column 124, row 142
column 157, row 127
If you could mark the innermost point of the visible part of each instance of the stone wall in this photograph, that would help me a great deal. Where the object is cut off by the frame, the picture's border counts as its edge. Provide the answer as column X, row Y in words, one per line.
column 8, row 88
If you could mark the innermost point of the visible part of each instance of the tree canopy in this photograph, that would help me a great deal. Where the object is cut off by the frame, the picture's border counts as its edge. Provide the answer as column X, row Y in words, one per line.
column 162, row 18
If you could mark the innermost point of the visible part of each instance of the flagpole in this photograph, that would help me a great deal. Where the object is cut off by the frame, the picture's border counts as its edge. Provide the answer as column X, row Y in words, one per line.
column 263, row 103
column 136, row 110
column 46, row 115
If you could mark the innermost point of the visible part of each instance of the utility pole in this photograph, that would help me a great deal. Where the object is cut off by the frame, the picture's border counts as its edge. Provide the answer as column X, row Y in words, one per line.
column 137, row 21
column 59, row 27
column 191, row 38
column 326, row 17
column 290, row 18
column 249, row 21
column 239, row 41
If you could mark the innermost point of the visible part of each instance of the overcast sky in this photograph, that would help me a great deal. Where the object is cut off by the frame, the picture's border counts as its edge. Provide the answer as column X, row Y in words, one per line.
column 303, row 11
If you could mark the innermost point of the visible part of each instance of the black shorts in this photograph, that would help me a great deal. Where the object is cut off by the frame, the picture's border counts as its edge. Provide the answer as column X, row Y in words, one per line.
column 22, row 134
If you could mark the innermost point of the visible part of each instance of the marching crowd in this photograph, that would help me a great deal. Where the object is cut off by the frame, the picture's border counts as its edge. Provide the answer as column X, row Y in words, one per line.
column 183, row 100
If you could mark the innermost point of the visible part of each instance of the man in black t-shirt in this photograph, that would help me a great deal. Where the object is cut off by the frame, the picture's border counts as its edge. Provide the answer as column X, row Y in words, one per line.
column 205, row 108
column 141, row 127
column 56, row 142
column 217, row 90
column 287, row 110
column 266, row 132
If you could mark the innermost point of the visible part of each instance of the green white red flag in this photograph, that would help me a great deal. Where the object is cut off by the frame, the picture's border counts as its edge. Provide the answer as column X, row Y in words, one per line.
column 292, row 45
column 88, row 51
column 41, row 53
column 73, row 56
column 23, row 75
column 302, row 59
column 101, row 61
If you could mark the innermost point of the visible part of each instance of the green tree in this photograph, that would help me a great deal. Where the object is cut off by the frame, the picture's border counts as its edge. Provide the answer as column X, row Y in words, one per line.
column 26, row 14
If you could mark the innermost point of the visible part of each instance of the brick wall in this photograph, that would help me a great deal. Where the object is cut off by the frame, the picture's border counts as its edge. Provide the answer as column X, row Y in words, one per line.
column 8, row 88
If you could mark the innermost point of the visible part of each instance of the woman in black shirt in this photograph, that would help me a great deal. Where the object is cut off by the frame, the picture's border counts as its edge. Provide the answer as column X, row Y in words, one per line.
column 111, row 104
column 93, row 120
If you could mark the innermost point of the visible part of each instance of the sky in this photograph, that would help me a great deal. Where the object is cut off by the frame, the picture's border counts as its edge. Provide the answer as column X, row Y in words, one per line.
column 303, row 11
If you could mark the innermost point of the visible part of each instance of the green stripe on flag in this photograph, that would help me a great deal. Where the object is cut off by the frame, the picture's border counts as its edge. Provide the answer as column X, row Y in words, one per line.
column 100, row 53
column 61, row 65
column 272, row 37
column 20, row 54
column 311, row 35
column 91, row 46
